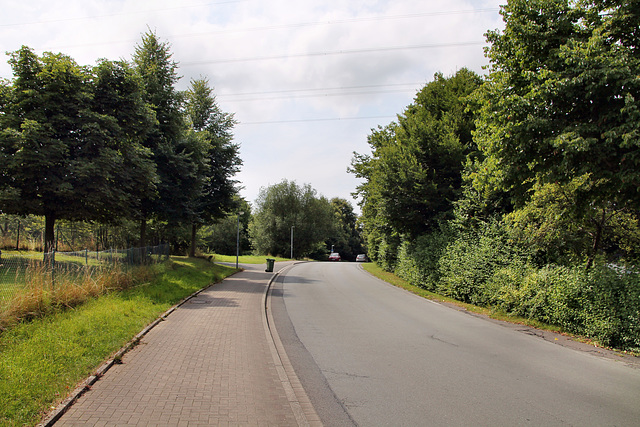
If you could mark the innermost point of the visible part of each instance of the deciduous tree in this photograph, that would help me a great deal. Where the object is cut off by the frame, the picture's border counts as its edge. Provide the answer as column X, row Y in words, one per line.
column 283, row 206
column 171, row 147
column 414, row 173
column 562, row 103
column 66, row 152
column 219, row 159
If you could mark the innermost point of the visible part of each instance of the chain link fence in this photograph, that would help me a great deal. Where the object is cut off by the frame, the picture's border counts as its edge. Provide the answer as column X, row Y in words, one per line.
column 15, row 266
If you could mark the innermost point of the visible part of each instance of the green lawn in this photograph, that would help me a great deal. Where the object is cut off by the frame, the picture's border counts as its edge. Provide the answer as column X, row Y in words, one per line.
column 43, row 360
column 245, row 259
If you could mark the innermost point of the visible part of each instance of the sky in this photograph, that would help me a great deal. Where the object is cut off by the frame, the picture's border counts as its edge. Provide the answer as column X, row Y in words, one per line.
column 307, row 80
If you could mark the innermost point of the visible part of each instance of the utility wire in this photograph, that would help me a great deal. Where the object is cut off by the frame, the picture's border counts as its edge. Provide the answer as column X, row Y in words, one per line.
column 314, row 92
column 271, row 27
column 331, row 119
column 342, row 21
column 340, row 52
column 318, row 95
column 317, row 89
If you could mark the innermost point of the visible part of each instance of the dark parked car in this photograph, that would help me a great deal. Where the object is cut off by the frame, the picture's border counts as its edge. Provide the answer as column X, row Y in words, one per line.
column 335, row 256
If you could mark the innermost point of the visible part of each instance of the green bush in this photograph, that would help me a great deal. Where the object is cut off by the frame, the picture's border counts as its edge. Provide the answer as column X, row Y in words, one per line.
column 418, row 260
column 602, row 303
column 471, row 260
column 489, row 269
column 612, row 309
column 387, row 252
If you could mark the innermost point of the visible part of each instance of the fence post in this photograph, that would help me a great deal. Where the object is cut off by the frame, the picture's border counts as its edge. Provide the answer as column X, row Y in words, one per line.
column 53, row 268
column 86, row 257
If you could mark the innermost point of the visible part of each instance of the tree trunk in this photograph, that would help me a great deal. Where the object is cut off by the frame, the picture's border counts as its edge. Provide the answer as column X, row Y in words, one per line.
column 49, row 236
column 597, row 238
column 192, row 250
column 143, row 233
column 18, row 237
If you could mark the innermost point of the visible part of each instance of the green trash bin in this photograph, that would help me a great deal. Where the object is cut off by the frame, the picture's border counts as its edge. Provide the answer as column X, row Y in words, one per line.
column 270, row 264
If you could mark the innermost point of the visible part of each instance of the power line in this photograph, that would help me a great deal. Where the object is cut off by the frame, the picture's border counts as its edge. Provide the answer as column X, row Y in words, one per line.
column 317, row 95
column 271, row 27
column 317, row 89
column 329, row 119
column 342, row 21
column 340, row 52
column 300, row 93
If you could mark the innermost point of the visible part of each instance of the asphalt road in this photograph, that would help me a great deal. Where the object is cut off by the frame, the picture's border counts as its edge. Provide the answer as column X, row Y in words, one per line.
column 370, row 354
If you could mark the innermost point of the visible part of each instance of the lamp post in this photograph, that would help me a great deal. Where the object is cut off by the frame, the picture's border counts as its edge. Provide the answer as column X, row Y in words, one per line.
column 292, row 227
column 238, row 239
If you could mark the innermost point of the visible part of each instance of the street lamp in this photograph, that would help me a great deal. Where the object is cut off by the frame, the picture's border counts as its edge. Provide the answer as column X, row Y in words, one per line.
column 238, row 239
column 292, row 227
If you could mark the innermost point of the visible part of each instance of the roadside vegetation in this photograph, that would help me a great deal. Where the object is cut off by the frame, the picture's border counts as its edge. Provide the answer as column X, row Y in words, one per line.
column 245, row 259
column 518, row 190
column 128, row 149
column 492, row 312
column 43, row 359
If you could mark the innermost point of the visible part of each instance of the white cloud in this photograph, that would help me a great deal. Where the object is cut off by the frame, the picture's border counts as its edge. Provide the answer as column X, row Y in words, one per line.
column 384, row 43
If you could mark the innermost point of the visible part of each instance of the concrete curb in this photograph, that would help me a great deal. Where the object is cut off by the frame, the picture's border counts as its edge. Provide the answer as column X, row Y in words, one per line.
column 298, row 399
column 53, row 416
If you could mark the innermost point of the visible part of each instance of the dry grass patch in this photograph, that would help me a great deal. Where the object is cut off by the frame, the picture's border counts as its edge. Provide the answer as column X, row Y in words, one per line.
column 45, row 291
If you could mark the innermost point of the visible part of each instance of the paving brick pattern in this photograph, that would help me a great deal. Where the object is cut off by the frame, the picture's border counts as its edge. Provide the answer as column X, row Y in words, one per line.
column 208, row 364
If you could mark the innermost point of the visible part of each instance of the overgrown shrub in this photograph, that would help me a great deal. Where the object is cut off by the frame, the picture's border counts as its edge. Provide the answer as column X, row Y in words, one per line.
column 488, row 268
column 602, row 303
column 470, row 261
column 387, row 252
column 418, row 260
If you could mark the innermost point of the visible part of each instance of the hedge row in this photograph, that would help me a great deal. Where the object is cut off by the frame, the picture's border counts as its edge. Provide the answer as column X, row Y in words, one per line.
column 487, row 269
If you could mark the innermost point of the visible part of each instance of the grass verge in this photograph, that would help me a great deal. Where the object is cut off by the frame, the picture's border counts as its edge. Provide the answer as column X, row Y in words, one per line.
column 394, row 280
column 43, row 360
column 246, row 259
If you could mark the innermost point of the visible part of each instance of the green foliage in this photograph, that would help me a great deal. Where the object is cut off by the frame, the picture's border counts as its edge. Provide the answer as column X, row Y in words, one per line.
column 70, row 139
column 192, row 146
column 602, row 303
column 176, row 153
column 418, row 259
column 551, row 226
column 562, row 105
column 215, row 155
column 113, row 143
column 283, row 206
column 490, row 270
column 384, row 249
column 220, row 238
column 414, row 173
column 472, row 258
column 218, row 155
column 552, row 184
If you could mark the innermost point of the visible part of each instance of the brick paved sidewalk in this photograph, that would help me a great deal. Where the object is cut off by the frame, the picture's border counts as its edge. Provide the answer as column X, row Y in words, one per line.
column 210, row 363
